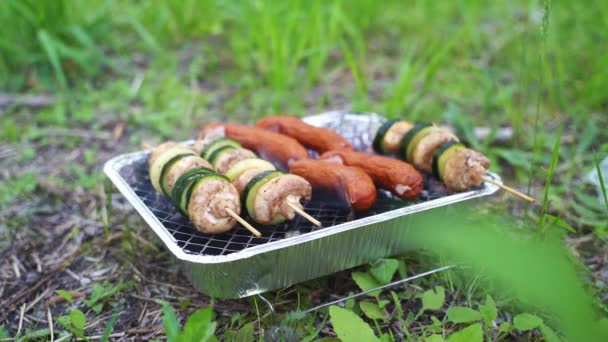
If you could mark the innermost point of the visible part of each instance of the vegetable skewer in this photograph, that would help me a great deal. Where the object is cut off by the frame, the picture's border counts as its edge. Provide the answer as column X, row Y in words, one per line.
column 209, row 200
column 270, row 196
column 437, row 150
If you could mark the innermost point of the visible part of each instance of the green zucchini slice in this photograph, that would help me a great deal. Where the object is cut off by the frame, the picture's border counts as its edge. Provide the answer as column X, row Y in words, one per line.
column 163, row 173
column 156, row 169
column 237, row 169
column 218, row 152
column 411, row 138
column 251, row 191
column 441, row 156
column 379, row 137
column 216, row 144
column 180, row 196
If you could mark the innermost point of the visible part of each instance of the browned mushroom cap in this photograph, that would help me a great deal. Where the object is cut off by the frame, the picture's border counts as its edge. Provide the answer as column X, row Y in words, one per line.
column 422, row 153
column 273, row 197
column 207, row 207
column 465, row 169
column 227, row 159
column 160, row 149
column 392, row 138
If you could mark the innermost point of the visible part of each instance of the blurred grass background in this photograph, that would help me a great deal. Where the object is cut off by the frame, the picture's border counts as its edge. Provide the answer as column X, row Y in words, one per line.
column 163, row 67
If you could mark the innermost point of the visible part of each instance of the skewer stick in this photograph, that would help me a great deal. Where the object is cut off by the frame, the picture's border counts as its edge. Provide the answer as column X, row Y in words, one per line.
column 304, row 214
column 509, row 189
column 243, row 222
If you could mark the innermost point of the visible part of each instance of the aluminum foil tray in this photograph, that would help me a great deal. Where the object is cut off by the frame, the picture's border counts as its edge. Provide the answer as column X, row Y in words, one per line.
column 237, row 264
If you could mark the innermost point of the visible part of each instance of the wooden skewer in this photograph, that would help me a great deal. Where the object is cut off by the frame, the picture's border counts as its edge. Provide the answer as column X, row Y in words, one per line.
column 243, row 222
column 509, row 189
column 304, row 214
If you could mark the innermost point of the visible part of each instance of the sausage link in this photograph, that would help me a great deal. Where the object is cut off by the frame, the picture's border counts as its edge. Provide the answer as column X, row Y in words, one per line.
column 397, row 176
column 316, row 138
column 268, row 145
column 350, row 183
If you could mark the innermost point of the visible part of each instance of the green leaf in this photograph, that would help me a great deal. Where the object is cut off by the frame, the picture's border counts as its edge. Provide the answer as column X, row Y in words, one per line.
column 489, row 311
column 107, row 331
column 383, row 270
column 505, row 327
column 434, row 338
column 64, row 321
column 372, row 310
column 433, row 299
column 170, row 323
column 398, row 307
column 472, row 333
column 382, row 303
column 97, row 308
column 366, row 281
column 199, row 326
column 461, row 314
column 329, row 339
column 549, row 334
column 526, row 321
column 78, row 319
column 386, row 338
column 65, row 295
column 245, row 334
column 3, row 332
column 350, row 327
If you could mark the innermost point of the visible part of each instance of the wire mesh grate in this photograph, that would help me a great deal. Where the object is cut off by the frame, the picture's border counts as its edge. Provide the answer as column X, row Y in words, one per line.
column 323, row 207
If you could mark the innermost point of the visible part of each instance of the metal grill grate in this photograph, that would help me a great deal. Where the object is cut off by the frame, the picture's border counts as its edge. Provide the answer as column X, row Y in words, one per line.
column 321, row 206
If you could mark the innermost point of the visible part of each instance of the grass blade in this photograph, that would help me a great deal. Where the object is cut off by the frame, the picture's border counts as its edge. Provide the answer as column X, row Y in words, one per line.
column 601, row 179
column 51, row 52
column 550, row 172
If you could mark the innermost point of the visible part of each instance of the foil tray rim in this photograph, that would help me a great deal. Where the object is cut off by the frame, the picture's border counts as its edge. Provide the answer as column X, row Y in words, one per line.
column 111, row 169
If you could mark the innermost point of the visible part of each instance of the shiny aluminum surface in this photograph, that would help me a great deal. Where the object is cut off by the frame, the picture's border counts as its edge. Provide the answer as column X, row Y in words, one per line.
column 237, row 264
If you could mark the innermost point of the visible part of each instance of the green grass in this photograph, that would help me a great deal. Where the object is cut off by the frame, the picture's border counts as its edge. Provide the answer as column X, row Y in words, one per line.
column 163, row 67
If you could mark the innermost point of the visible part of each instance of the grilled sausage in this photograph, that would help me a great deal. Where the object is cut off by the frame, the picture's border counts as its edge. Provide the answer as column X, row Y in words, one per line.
column 351, row 183
column 394, row 175
column 316, row 138
column 271, row 146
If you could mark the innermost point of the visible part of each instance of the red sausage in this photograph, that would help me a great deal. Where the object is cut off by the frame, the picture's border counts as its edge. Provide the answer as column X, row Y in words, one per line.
column 397, row 176
column 316, row 138
column 274, row 147
column 351, row 183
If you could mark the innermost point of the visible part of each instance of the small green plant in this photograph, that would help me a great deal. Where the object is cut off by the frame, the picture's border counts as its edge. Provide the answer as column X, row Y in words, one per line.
column 75, row 323
column 199, row 326
column 13, row 188
column 102, row 294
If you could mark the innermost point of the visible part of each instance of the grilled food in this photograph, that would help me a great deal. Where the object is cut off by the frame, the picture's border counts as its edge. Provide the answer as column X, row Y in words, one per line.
column 433, row 149
column 277, row 148
column 316, row 138
column 397, row 176
column 352, row 184
column 268, row 194
column 194, row 187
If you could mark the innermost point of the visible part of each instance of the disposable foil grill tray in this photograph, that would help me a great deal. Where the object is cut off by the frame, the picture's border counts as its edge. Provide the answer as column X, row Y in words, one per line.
column 297, row 240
